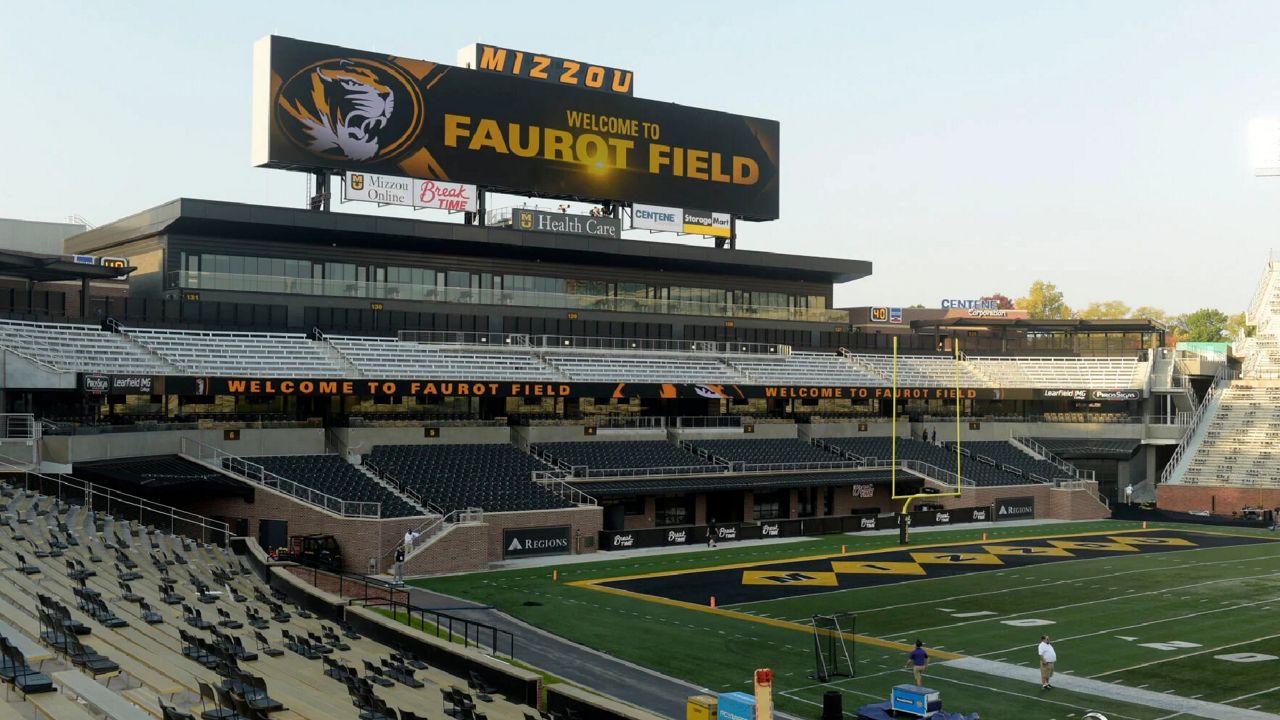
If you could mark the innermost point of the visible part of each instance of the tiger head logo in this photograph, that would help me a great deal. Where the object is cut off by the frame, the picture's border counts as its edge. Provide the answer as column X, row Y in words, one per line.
column 353, row 109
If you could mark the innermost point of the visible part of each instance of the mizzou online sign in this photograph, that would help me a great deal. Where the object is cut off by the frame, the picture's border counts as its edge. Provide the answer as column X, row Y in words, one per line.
column 326, row 107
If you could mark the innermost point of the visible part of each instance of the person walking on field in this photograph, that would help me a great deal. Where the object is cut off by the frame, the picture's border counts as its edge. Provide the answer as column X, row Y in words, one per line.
column 918, row 661
column 1048, row 656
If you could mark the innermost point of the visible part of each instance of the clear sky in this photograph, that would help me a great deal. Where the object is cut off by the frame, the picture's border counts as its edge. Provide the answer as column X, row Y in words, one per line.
column 962, row 147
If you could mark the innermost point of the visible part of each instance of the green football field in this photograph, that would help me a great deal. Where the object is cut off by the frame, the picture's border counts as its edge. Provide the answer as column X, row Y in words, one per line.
column 1183, row 611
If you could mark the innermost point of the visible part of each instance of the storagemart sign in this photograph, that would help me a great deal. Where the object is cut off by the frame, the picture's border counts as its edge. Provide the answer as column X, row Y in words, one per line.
column 528, row 542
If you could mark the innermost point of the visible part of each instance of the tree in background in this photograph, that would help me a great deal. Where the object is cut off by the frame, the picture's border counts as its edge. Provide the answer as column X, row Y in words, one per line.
column 1108, row 310
column 1205, row 325
column 1044, row 301
column 1002, row 301
column 1236, row 325
column 1147, row 312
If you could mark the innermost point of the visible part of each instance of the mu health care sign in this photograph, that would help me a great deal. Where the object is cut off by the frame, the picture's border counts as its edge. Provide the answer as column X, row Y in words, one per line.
column 326, row 107
column 528, row 542
column 542, row 221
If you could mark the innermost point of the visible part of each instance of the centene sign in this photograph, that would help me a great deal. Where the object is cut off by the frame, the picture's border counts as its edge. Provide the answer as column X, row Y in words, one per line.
column 952, row 304
column 409, row 192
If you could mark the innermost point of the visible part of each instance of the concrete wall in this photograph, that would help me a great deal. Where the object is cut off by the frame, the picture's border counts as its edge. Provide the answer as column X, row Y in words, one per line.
column 362, row 440
column 18, row 372
column 268, row 441
column 36, row 237
column 850, row 429
column 762, row 431
column 575, row 433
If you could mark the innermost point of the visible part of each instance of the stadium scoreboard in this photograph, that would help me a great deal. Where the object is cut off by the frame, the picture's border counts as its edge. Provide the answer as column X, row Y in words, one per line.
column 323, row 107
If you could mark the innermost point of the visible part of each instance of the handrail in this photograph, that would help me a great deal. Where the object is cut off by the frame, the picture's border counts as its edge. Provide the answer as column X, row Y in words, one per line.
column 112, row 502
column 564, row 489
column 256, row 474
column 431, row 528
column 48, row 366
column 1221, row 382
column 451, row 626
column 1038, row 448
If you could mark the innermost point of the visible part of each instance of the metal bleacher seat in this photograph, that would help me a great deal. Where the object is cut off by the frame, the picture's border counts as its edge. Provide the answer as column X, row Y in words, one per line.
column 1063, row 372
column 636, row 454
column 767, row 451
column 390, row 358
column 921, row 370
column 979, row 473
column 83, row 348
column 803, row 368
column 232, row 353
column 495, row 477
column 333, row 475
column 652, row 367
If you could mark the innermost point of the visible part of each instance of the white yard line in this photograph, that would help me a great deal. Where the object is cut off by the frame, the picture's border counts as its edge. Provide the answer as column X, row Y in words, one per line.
column 1191, row 654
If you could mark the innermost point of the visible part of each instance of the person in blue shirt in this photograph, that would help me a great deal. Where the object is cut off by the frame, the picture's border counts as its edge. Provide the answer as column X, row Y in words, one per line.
column 918, row 660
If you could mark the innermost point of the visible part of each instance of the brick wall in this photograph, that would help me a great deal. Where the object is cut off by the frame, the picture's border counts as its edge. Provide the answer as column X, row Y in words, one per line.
column 472, row 546
column 1051, row 503
column 1219, row 500
column 359, row 539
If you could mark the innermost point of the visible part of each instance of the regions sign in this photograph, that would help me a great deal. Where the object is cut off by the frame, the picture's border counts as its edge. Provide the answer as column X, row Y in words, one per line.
column 1015, row 508
column 409, row 192
column 326, row 107
column 542, row 221
column 677, row 220
column 546, row 68
column 529, row 542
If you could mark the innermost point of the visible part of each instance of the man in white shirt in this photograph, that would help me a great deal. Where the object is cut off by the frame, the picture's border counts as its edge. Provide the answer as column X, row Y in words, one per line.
column 1128, row 494
column 408, row 541
column 1048, row 656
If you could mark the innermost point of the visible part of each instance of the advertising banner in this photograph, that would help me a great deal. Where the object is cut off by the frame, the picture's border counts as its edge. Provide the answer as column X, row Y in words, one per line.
column 409, row 192
column 1015, row 508
column 326, row 107
column 104, row 384
column 657, row 219
column 552, row 222
column 529, row 542
column 479, row 387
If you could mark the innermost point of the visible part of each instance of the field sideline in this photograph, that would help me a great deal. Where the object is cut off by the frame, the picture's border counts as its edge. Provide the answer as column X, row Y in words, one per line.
column 1194, row 621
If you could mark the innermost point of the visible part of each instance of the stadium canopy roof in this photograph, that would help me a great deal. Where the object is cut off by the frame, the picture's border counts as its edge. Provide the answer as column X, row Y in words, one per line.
column 1071, row 325
column 48, row 268
column 236, row 221
column 713, row 483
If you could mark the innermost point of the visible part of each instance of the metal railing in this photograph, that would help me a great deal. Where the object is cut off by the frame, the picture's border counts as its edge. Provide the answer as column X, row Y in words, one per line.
column 469, row 633
column 712, row 422
column 710, row 347
column 557, row 484
column 258, row 475
column 1221, row 381
column 363, row 589
column 19, row 426
column 193, row 280
column 1039, row 448
column 120, row 505
column 428, row 530
column 627, row 422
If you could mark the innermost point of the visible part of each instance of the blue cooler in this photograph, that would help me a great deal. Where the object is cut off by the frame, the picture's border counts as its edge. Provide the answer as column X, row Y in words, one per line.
column 737, row 706
column 914, row 700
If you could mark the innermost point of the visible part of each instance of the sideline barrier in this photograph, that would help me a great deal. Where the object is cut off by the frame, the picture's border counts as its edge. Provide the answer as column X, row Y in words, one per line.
column 518, row 686
column 564, row 700
column 693, row 535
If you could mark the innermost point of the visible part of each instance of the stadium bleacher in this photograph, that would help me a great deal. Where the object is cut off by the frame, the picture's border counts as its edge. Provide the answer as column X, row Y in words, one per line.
column 390, row 358
column 806, row 368
column 767, row 451
column 634, row 454
column 921, row 370
column 232, row 353
column 184, row 630
column 1053, row 372
column 644, row 368
column 1006, row 454
column 980, row 473
column 491, row 476
column 83, row 348
column 1241, row 441
column 333, row 475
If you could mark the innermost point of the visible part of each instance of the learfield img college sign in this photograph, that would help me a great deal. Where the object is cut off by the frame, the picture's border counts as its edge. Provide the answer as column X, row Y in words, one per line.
column 323, row 107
